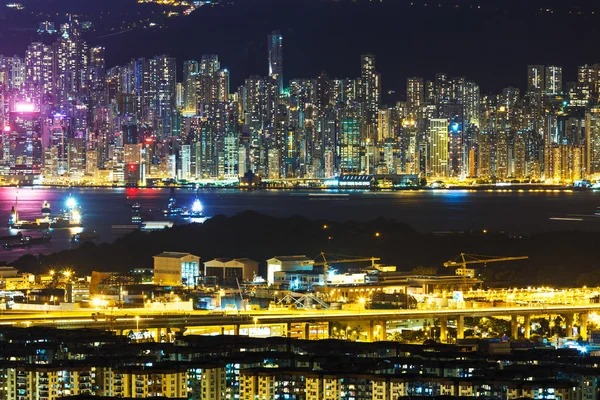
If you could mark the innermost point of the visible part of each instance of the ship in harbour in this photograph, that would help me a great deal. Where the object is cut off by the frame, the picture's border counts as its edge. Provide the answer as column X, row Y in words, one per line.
column 70, row 218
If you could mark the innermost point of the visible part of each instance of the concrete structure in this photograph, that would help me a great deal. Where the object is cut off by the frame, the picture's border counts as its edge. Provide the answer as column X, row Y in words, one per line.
column 176, row 269
column 227, row 269
column 287, row 264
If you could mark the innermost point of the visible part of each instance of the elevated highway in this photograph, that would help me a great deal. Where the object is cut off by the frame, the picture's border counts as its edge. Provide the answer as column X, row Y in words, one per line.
column 135, row 319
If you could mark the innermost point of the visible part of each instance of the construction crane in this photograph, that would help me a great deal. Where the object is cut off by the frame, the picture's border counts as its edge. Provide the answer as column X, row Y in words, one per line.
column 465, row 259
column 326, row 264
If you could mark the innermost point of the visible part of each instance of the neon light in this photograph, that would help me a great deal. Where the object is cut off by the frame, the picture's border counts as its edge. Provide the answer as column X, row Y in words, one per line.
column 25, row 107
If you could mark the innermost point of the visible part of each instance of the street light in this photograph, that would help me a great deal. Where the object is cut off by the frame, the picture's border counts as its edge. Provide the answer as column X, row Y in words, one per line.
column 137, row 323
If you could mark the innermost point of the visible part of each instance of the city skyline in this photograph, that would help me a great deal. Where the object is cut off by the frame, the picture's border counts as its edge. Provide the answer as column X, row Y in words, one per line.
column 69, row 117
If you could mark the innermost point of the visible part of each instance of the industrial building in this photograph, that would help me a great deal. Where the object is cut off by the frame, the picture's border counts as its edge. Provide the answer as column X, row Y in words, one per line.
column 227, row 270
column 287, row 264
column 176, row 269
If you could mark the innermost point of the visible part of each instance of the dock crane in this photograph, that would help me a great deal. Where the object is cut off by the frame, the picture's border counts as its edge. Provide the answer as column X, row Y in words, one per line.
column 326, row 264
column 465, row 259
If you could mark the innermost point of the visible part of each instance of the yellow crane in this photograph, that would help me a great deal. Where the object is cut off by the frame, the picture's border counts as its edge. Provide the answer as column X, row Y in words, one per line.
column 465, row 259
column 326, row 264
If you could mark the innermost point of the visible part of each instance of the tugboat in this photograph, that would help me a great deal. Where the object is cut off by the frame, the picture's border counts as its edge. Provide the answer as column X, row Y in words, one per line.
column 27, row 241
column 172, row 209
column 46, row 208
column 135, row 207
column 84, row 236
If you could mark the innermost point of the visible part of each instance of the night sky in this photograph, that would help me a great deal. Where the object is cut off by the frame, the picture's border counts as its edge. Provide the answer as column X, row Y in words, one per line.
column 491, row 45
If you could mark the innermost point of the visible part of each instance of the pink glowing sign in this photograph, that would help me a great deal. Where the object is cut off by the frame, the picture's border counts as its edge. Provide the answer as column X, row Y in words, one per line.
column 25, row 107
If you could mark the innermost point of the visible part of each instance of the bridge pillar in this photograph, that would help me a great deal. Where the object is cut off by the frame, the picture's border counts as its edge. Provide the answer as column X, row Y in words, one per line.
column 306, row 334
column 236, row 330
column 569, row 323
column 527, row 326
column 288, row 329
column 514, row 327
column 460, row 327
column 444, row 330
column 371, row 331
column 383, row 330
column 583, row 323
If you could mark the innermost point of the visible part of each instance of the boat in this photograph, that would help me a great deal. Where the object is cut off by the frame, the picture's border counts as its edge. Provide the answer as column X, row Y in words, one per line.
column 27, row 241
column 15, row 223
column 172, row 209
column 136, row 207
column 46, row 208
column 71, row 218
column 84, row 236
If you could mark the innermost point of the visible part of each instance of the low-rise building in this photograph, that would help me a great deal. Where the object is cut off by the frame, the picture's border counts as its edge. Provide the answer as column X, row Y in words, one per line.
column 287, row 264
column 228, row 270
column 176, row 269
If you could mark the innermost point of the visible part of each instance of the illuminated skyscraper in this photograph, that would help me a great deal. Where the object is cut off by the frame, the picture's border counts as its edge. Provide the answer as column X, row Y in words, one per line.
column 370, row 94
column 438, row 153
column 97, row 77
column 592, row 133
column 535, row 78
column 207, row 88
column 70, row 61
column 222, row 85
column 166, row 85
column 553, row 80
column 275, row 53
column 190, row 92
column 38, row 67
column 472, row 104
column 350, row 144
column 415, row 95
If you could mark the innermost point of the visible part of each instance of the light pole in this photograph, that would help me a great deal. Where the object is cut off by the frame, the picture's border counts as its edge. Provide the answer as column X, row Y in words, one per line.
column 137, row 323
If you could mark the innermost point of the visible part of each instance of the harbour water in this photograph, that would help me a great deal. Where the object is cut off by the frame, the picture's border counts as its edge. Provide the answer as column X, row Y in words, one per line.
column 427, row 211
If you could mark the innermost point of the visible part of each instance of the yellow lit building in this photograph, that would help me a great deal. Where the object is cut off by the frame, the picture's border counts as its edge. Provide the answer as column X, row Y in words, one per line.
column 176, row 269
column 438, row 154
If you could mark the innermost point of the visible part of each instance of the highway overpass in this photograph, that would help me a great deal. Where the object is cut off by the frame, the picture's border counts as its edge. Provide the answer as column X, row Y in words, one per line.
column 136, row 319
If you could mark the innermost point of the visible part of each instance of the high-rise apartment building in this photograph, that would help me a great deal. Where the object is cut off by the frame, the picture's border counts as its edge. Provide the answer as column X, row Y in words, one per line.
column 415, row 95
column 370, row 83
column 275, row 55
column 554, row 80
column 190, row 82
column 39, row 60
column 536, row 78
column 438, row 152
